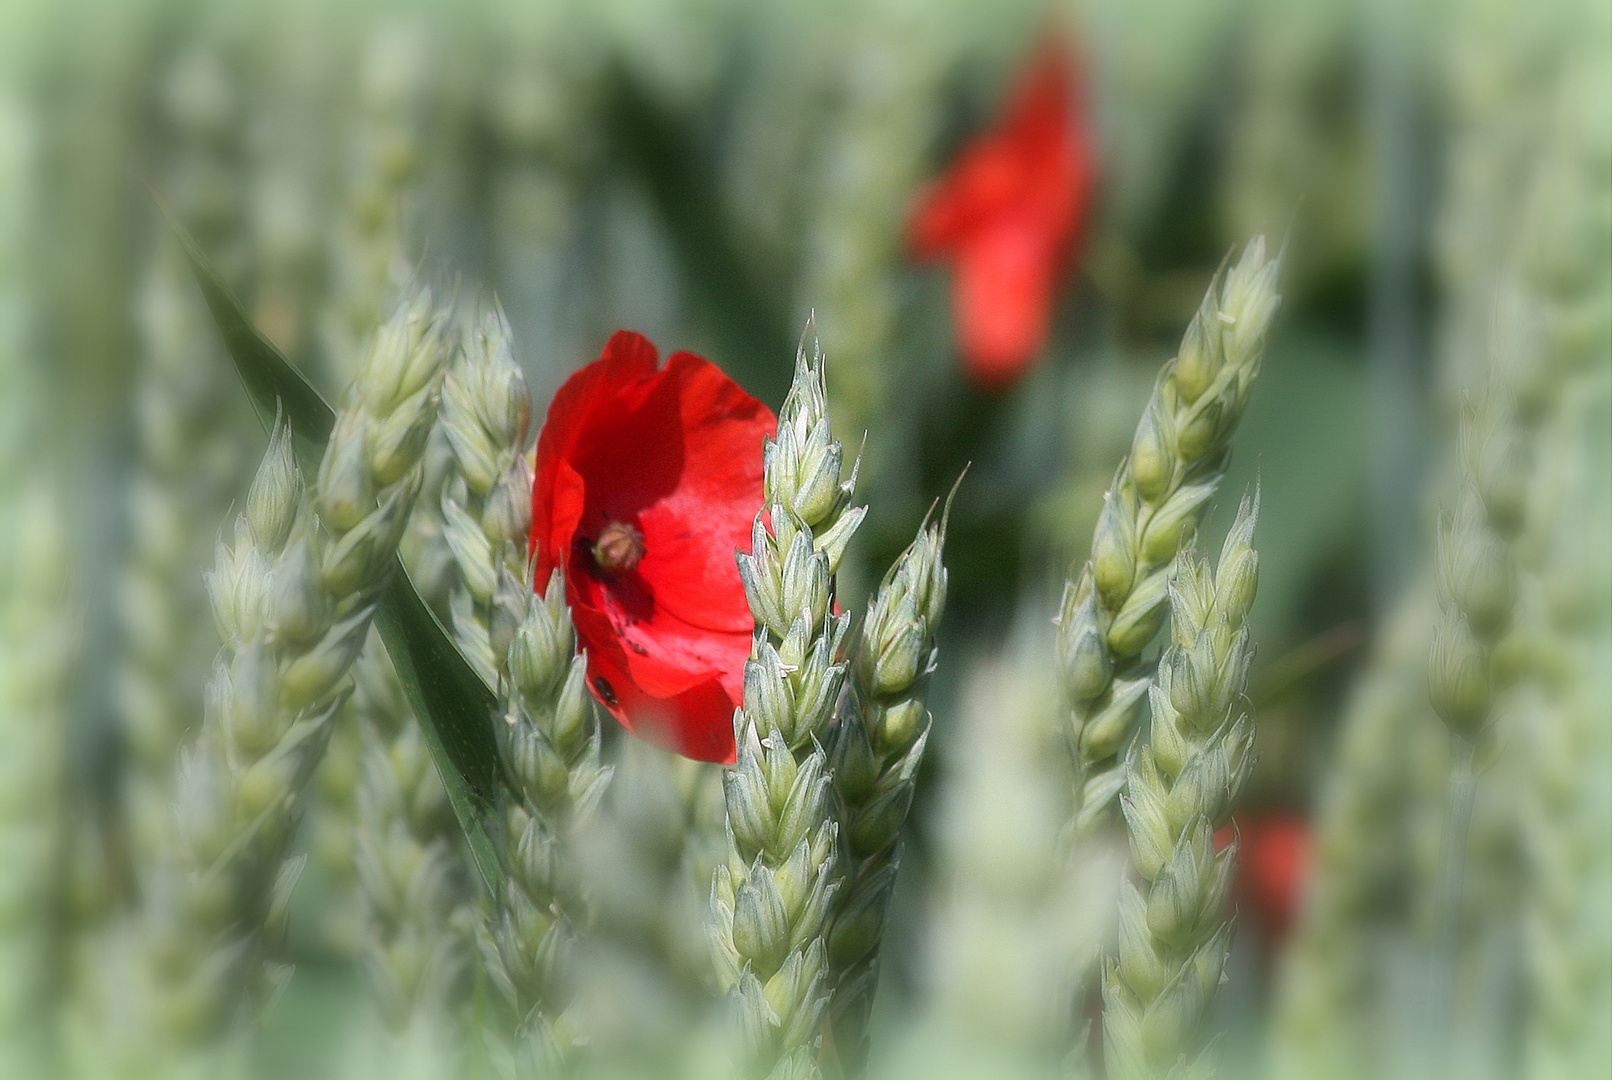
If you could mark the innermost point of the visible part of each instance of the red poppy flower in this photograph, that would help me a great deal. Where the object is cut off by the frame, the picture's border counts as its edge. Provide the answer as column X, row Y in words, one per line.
column 1008, row 214
column 648, row 480
column 1275, row 864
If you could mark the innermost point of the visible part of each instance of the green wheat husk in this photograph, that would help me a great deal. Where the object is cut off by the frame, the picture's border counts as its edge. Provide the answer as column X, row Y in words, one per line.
column 1181, row 787
column 771, row 900
column 413, row 880
column 1116, row 605
column 548, row 737
column 293, row 598
column 878, row 747
column 486, row 501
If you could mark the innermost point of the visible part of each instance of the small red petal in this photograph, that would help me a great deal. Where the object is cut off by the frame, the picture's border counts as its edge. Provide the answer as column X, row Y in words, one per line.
column 627, row 358
column 1009, row 211
column 1004, row 302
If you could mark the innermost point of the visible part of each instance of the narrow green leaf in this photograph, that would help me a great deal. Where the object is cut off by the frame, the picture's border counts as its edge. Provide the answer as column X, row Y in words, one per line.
column 442, row 686
column 454, row 706
column 272, row 382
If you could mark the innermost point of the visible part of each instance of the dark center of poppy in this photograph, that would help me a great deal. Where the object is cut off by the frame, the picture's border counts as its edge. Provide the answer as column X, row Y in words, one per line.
column 619, row 547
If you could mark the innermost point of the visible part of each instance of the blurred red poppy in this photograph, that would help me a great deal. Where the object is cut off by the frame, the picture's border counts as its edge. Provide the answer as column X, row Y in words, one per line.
column 1275, row 864
column 647, row 482
column 1009, row 213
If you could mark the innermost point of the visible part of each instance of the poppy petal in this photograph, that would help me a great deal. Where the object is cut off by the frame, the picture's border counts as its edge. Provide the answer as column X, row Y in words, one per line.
column 1004, row 298
column 627, row 358
column 1008, row 211
column 692, row 715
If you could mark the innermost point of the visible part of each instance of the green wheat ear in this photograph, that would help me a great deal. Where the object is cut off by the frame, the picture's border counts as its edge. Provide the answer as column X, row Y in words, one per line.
column 771, row 900
column 1117, row 603
column 1181, row 787
column 39, row 641
column 293, row 597
column 548, row 728
column 878, row 748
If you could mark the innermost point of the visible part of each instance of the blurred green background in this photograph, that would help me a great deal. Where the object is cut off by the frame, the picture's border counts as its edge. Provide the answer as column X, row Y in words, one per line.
column 709, row 172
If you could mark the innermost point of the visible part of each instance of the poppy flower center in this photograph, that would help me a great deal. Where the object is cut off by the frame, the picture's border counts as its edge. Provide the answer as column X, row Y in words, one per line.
column 619, row 547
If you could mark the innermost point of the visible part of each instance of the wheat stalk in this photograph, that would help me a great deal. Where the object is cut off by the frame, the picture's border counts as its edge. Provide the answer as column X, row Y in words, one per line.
column 1114, row 608
column 771, row 899
column 1180, row 788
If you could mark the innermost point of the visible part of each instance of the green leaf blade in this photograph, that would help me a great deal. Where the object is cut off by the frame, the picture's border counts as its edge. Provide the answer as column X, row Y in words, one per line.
column 441, row 685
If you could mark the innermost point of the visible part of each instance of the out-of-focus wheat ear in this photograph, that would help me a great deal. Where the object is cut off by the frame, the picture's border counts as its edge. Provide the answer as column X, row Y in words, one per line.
column 1116, row 602
column 293, row 594
column 191, row 454
column 1182, row 784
